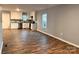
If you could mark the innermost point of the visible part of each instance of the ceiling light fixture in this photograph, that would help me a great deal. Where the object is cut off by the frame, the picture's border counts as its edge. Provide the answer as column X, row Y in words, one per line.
column 17, row 9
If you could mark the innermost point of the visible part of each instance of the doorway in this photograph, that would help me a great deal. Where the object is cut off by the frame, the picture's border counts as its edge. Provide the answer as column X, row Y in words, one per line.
column 44, row 21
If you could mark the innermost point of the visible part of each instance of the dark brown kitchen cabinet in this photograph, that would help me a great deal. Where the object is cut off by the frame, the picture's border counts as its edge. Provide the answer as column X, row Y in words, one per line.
column 19, row 25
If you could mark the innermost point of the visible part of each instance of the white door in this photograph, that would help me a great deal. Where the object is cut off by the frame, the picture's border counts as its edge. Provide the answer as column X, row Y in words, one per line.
column 5, row 20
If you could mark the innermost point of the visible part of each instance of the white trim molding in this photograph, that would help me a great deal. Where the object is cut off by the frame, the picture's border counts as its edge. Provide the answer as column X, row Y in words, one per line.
column 59, row 39
column 1, row 48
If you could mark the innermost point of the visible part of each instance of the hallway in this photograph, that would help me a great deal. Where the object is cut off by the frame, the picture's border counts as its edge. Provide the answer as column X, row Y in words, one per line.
column 33, row 42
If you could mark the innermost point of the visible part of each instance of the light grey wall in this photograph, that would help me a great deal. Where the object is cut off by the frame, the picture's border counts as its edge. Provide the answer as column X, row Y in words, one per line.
column 50, row 21
column 0, row 31
column 63, row 22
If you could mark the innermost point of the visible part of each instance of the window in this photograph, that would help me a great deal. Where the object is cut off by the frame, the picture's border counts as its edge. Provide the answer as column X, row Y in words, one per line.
column 44, row 21
column 24, row 16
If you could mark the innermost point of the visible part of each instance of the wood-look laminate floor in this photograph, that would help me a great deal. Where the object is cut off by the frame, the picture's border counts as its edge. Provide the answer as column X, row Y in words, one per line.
column 33, row 42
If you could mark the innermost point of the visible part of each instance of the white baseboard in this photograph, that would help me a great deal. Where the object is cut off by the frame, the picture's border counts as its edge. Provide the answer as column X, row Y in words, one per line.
column 1, row 48
column 60, row 39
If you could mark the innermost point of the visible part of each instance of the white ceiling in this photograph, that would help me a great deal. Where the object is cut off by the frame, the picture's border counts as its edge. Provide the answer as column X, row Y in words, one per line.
column 26, row 7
